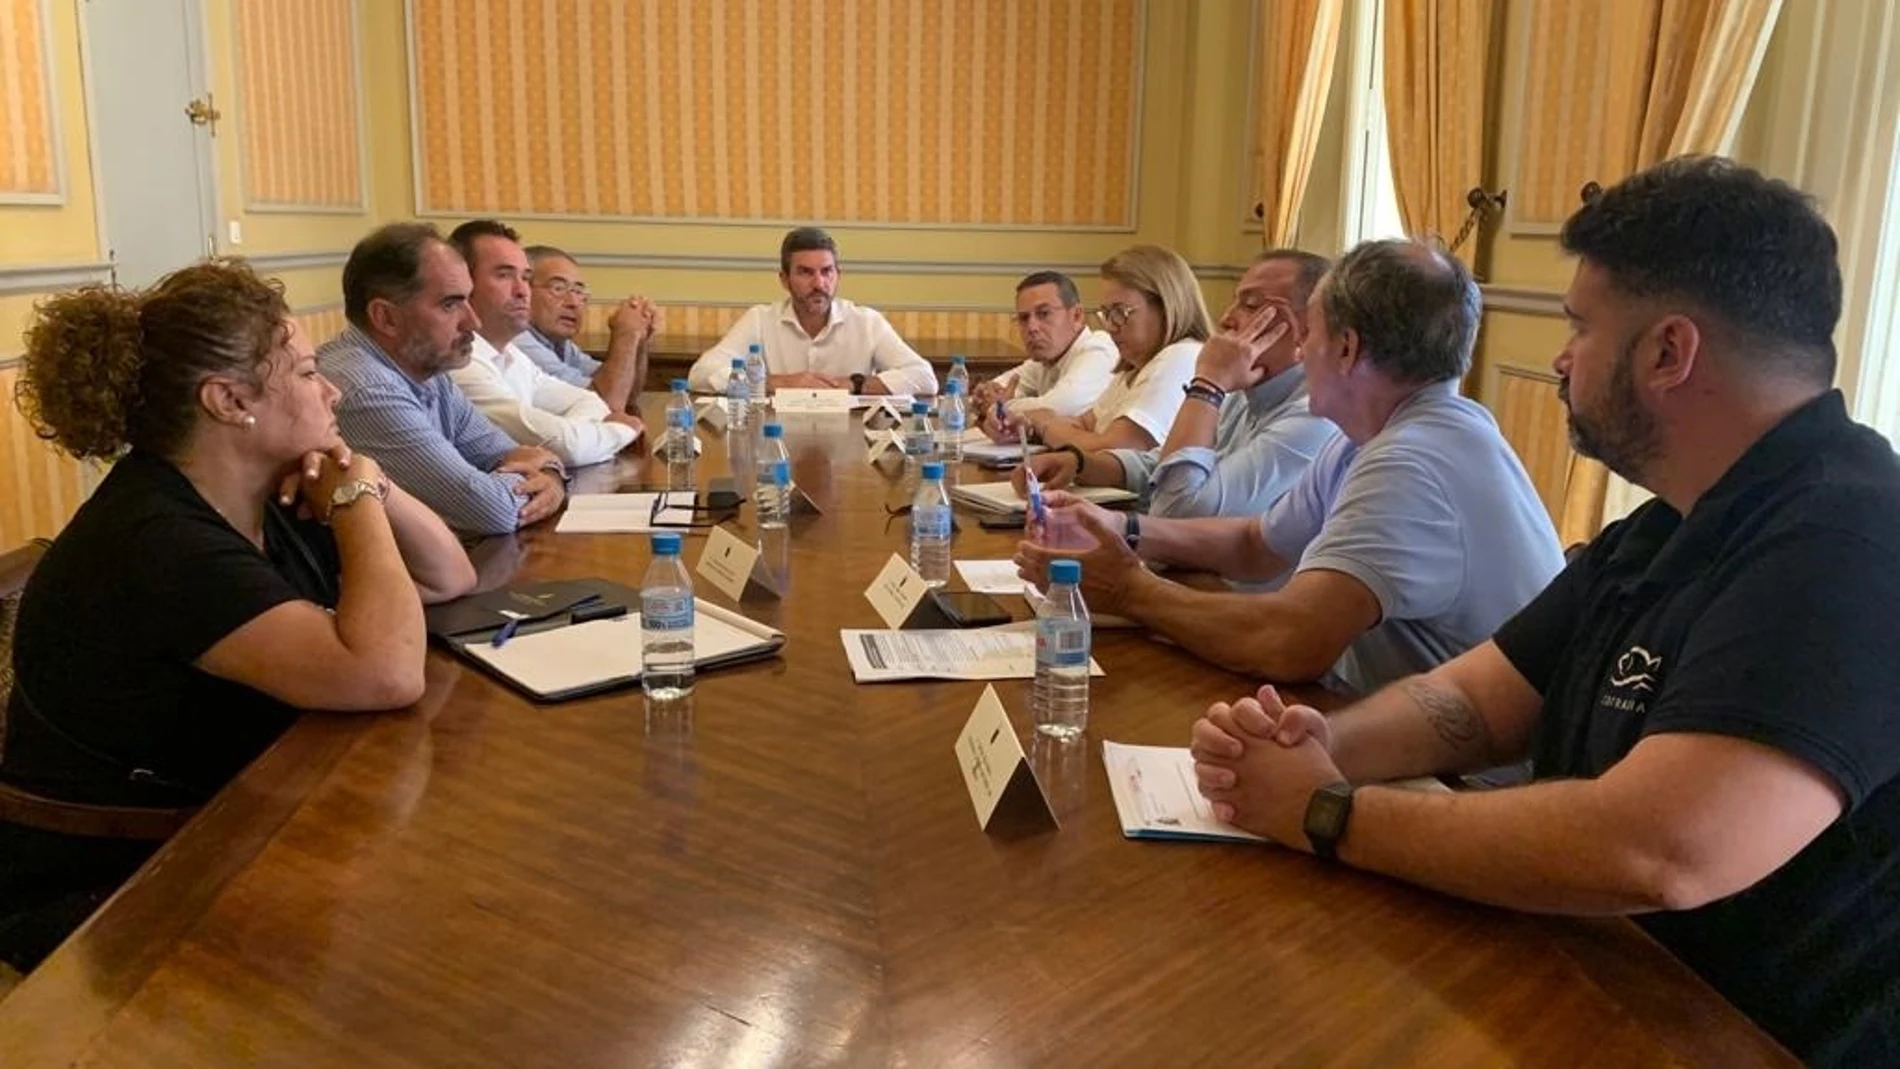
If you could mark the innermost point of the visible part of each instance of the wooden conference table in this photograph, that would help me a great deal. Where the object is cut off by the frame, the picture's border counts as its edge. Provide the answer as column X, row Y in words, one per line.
column 792, row 875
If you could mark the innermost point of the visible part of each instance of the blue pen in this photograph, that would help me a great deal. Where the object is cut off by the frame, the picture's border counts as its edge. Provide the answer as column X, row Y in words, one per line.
column 1038, row 512
column 507, row 632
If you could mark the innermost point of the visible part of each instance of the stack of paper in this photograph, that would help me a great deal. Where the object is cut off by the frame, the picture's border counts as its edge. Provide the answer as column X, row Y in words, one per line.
column 1004, row 652
column 1157, row 798
column 1001, row 499
column 622, row 513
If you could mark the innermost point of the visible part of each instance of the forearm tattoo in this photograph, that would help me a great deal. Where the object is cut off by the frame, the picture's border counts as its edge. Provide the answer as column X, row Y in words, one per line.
column 1450, row 715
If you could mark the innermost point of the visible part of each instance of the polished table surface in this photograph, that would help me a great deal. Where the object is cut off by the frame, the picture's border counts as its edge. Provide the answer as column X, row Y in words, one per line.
column 792, row 875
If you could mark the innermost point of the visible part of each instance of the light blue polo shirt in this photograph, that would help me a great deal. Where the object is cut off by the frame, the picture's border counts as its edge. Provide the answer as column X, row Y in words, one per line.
column 1435, row 515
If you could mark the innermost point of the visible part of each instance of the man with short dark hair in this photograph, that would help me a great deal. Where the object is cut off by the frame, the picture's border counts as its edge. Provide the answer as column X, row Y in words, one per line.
column 1706, row 692
column 405, row 294
column 557, row 310
column 1410, row 537
column 1245, row 433
column 814, row 339
column 533, row 407
column 1069, row 365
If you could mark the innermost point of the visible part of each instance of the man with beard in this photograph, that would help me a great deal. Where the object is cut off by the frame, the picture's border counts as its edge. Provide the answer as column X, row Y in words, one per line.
column 1705, row 691
column 528, row 404
column 405, row 294
column 813, row 339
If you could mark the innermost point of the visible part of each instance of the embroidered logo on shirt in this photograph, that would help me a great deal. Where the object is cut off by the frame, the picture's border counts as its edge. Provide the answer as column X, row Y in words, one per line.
column 1637, row 670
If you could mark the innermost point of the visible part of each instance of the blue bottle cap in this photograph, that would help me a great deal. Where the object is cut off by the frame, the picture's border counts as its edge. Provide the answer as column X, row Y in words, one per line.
column 738, row 363
column 753, row 348
column 666, row 543
column 919, row 408
column 679, row 385
column 933, row 470
column 782, row 473
column 1065, row 571
column 773, row 430
column 953, row 387
column 957, row 359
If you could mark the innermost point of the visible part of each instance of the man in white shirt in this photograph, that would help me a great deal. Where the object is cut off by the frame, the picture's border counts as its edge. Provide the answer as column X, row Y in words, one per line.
column 533, row 407
column 1069, row 365
column 814, row 340
column 557, row 310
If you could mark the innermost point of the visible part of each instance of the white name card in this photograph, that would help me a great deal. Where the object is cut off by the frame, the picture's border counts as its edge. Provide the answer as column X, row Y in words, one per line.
column 1003, row 787
column 727, row 562
column 892, row 439
column 801, row 400
column 896, row 591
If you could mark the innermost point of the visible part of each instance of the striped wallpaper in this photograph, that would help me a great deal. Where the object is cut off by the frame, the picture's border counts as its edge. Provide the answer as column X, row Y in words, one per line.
column 29, row 167
column 1584, row 85
column 1005, row 113
column 45, row 485
column 298, row 87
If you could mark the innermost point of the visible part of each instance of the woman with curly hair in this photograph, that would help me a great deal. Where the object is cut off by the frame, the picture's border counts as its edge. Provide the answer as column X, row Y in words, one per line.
column 237, row 564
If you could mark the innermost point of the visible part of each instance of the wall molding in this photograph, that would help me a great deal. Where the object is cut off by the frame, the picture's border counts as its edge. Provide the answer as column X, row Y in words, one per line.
column 1523, row 301
column 296, row 261
column 51, row 278
column 769, row 264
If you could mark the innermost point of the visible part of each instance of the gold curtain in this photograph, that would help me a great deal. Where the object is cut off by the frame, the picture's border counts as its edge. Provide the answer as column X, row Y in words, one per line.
column 1299, row 42
column 1436, row 65
column 1704, row 55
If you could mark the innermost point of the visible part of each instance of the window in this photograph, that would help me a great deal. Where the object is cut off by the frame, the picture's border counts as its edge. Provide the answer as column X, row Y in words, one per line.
column 1372, row 198
column 1877, row 395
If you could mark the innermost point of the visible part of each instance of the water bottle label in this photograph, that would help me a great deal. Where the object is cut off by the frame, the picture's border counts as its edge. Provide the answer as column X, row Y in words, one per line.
column 917, row 445
column 1062, row 643
column 932, row 521
column 666, row 612
column 680, row 419
column 953, row 423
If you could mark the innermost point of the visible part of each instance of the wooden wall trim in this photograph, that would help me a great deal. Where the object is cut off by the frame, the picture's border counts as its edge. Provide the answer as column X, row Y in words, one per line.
column 1523, row 301
column 51, row 278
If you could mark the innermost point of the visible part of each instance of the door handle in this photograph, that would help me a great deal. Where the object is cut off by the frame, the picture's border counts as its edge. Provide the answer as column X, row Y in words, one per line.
column 204, row 112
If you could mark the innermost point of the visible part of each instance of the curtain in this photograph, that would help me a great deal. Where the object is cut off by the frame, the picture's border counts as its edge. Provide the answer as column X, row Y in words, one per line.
column 1299, row 42
column 1704, row 56
column 1437, row 54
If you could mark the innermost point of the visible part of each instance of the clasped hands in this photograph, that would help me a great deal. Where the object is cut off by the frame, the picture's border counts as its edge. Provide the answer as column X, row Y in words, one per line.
column 1258, row 762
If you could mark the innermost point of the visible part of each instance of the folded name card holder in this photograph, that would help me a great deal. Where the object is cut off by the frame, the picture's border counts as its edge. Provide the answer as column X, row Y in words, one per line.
column 1009, row 801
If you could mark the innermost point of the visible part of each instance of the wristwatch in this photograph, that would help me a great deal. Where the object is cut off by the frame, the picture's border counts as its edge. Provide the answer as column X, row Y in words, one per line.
column 1326, row 815
column 1081, row 458
column 1131, row 530
column 355, row 490
column 857, row 383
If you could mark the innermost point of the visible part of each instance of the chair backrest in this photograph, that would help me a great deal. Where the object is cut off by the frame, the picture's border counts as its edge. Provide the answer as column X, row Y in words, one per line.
column 16, row 566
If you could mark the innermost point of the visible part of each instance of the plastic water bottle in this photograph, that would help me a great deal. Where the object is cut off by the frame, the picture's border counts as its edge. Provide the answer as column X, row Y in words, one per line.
column 680, row 420
column 952, row 417
column 1059, row 698
column 920, row 442
column 738, row 396
column 666, row 623
column 755, row 372
column 771, row 453
column 930, row 527
column 959, row 374
column 774, row 496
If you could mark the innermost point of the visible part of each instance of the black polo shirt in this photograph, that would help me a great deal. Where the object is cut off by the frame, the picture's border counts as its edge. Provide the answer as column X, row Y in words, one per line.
column 1769, row 613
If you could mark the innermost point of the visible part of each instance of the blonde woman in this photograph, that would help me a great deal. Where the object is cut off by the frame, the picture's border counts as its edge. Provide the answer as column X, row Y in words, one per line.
column 1152, row 308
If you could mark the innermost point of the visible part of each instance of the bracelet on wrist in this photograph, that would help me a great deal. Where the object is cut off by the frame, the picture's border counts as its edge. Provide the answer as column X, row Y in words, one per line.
column 1205, row 389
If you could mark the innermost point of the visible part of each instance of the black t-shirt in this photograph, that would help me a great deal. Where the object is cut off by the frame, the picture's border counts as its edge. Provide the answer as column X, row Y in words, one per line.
column 1768, row 614
column 145, row 579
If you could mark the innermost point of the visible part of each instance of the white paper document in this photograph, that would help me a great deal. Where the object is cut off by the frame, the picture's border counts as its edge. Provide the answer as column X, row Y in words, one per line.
column 1156, row 796
column 790, row 399
column 623, row 513
column 991, row 576
column 602, row 651
column 1004, row 652
column 1001, row 498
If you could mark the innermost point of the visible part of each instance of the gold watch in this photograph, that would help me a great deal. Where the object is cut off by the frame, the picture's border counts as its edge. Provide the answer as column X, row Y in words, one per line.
column 355, row 490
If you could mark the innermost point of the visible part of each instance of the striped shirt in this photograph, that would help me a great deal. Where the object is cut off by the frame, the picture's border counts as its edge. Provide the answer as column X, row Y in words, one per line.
column 427, row 435
column 562, row 359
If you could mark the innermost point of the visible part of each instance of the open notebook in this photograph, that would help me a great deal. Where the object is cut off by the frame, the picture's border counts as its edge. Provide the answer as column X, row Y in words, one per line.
column 555, row 659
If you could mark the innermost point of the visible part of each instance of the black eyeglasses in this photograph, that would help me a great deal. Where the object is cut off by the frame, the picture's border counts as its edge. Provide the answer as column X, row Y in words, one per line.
column 666, row 501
